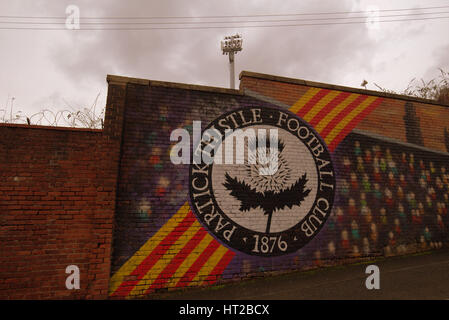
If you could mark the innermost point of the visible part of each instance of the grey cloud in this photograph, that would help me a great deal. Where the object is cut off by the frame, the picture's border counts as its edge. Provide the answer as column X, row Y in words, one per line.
column 441, row 62
column 185, row 55
column 320, row 53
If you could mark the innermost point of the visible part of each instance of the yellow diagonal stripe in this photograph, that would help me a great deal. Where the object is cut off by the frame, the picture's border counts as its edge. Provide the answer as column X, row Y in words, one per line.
column 320, row 105
column 147, row 248
column 304, row 99
column 188, row 262
column 163, row 261
column 342, row 124
column 334, row 112
column 209, row 265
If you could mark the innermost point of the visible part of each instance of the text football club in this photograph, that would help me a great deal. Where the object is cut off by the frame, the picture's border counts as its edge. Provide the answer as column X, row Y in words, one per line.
column 274, row 189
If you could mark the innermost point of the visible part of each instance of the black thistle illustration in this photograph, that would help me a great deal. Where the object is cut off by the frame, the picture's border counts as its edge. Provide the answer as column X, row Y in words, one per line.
column 268, row 191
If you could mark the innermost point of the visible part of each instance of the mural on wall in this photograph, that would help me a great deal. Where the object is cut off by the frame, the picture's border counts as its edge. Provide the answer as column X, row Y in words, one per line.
column 446, row 139
column 393, row 198
column 175, row 230
column 270, row 207
column 412, row 125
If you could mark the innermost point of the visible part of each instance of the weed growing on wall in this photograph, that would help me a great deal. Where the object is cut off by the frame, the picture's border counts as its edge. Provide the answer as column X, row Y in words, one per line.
column 435, row 89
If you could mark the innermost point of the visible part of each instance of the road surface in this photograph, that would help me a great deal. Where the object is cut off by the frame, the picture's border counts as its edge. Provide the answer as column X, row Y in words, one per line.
column 419, row 276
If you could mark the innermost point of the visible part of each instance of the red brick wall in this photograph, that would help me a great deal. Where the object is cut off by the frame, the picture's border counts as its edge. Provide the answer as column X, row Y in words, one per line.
column 387, row 119
column 57, row 202
column 160, row 245
column 62, row 195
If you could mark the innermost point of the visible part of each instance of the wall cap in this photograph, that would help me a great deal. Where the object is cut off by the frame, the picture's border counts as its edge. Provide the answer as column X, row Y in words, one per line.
column 156, row 83
column 60, row 128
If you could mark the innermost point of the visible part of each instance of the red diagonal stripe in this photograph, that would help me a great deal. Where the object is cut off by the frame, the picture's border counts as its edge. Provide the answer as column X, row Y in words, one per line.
column 220, row 267
column 139, row 272
column 171, row 268
column 196, row 266
column 323, row 112
column 309, row 105
column 351, row 125
column 343, row 113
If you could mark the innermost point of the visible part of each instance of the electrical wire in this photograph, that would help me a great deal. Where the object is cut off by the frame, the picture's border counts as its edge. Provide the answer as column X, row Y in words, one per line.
column 238, row 21
column 266, row 23
column 227, row 16
column 220, row 27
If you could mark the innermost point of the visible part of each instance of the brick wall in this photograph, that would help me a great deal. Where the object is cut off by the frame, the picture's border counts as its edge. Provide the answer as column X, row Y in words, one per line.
column 392, row 182
column 57, row 201
column 162, row 241
column 386, row 119
column 112, row 202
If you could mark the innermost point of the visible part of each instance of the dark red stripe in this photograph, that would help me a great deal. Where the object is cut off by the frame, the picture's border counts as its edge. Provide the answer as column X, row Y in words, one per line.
column 340, row 116
column 328, row 108
column 351, row 125
column 197, row 265
column 309, row 105
column 139, row 272
column 171, row 268
column 220, row 267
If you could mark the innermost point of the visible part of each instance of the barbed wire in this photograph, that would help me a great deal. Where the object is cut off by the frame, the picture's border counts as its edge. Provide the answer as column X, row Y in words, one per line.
column 84, row 118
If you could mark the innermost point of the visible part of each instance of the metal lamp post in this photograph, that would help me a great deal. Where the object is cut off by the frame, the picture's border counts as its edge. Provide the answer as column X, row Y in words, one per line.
column 230, row 46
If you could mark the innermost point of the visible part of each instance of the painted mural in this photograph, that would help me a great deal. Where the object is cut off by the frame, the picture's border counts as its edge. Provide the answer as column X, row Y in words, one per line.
column 198, row 224
column 395, row 200
column 265, row 207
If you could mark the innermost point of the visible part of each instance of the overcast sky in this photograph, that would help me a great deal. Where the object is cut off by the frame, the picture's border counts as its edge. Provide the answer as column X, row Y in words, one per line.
column 48, row 69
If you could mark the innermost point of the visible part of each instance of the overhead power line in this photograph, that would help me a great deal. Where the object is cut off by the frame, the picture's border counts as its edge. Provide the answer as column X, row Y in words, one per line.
column 225, row 27
column 225, row 16
column 227, row 22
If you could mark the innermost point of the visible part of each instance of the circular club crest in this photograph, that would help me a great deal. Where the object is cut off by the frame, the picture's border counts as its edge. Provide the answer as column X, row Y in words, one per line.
column 261, row 181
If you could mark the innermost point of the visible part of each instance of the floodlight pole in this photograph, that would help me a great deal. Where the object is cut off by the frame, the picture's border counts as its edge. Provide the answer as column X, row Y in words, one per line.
column 231, row 46
column 231, row 70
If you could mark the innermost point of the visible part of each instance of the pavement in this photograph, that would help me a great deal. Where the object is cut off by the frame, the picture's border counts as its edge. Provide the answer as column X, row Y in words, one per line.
column 418, row 276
